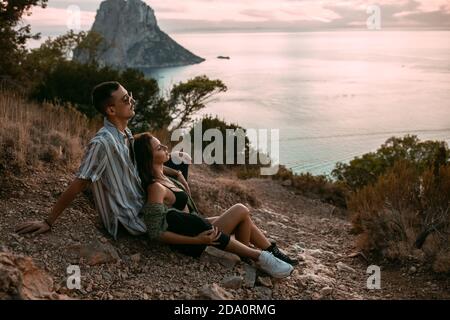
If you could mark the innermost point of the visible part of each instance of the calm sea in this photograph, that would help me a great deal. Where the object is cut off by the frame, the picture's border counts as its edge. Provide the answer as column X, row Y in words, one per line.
column 332, row 95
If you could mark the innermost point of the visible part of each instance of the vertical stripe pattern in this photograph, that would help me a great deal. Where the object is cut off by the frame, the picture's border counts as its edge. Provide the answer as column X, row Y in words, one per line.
column 116, row 186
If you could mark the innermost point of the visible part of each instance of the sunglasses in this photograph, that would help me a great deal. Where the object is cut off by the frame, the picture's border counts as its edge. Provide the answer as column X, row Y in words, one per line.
column 128, row 98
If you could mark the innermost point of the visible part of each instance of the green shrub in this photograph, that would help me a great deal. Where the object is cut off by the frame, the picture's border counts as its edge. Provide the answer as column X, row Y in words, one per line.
column 406, row 210
column 227, row 131
column 365, row 170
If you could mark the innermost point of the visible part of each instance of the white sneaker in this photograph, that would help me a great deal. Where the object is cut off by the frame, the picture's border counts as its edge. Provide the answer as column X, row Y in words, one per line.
column 272, row 265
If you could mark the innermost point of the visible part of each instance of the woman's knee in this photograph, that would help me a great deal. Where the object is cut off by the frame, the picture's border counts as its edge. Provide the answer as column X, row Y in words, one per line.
column 243, row 210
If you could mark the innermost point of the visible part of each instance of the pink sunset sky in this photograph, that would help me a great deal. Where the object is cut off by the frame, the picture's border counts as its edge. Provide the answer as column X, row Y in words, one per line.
column 247, row 15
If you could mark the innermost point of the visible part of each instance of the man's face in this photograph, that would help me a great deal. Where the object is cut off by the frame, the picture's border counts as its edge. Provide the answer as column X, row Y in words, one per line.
column 123, row 104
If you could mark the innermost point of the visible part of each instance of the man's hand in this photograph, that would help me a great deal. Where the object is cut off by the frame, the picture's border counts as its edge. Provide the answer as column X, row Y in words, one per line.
column 34, row 227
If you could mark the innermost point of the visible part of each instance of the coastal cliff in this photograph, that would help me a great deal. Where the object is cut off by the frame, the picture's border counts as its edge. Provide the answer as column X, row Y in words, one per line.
column 131, row 38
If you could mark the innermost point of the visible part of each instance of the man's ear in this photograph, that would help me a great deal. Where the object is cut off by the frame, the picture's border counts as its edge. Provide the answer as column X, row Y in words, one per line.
column 110, row 110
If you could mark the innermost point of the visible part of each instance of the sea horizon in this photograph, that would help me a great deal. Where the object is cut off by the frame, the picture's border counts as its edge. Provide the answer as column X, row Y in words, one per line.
column 333, row 95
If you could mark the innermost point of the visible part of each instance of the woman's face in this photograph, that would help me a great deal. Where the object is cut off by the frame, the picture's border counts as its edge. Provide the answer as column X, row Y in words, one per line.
column 160, row 152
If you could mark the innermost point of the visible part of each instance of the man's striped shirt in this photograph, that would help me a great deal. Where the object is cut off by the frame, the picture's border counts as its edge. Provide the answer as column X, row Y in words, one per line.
column 115, row 180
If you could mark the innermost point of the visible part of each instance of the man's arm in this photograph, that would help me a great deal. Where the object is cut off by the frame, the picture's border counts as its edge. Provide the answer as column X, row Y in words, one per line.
column 36, row 227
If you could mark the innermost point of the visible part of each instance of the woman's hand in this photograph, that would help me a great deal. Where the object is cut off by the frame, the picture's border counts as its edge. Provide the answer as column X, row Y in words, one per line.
column 209, row 237
column 34, row 227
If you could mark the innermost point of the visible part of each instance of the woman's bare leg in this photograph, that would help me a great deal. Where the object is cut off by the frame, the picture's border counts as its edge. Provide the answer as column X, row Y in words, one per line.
column 228, row 221
column 242, row 250
column 237, row 220
column 257, row 237
column 212, row 219
column 243, row 231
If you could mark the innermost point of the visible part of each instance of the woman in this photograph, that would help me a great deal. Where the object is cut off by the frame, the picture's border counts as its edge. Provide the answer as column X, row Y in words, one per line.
column 172, row 217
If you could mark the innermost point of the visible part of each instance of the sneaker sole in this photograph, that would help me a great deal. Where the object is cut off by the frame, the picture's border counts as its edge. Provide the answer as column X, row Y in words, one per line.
column 284, row 276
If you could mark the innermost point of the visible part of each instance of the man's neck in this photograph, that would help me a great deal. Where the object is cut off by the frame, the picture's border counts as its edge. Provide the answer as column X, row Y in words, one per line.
column 120, row 124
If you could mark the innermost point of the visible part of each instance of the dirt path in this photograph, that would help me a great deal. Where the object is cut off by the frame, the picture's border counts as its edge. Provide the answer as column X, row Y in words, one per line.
column 303, row 227
column 299, row 221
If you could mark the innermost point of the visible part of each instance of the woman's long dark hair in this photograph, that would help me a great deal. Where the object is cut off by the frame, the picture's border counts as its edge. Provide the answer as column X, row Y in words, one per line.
column 144, row 158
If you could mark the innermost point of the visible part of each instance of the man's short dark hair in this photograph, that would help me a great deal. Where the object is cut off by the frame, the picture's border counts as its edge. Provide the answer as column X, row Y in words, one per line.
column 101, row 95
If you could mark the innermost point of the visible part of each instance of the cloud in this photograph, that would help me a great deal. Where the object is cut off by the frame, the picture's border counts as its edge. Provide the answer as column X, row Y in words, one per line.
column 245, row 10
column 396, row 14
column 58, row 17
column 207, row 15
column 433, row 6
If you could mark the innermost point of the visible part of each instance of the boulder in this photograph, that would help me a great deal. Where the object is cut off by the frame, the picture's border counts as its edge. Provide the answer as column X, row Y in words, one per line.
column 263, row 293
column 96, row 253
column 326, row 291
column 226, row 259
column 345, row 268
column 215, row 292
column 265, row 281
column 250, row 276
column 21, row 279
column 131, row 38
column 232, row 282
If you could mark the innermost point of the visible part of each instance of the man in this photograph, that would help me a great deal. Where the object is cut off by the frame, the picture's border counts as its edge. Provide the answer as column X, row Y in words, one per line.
column 109, row 166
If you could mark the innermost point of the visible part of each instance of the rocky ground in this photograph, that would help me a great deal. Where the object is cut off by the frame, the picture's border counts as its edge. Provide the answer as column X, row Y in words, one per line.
column 132, row 268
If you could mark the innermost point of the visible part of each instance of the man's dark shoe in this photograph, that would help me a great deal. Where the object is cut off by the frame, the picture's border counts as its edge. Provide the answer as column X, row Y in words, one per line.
column 280, row 255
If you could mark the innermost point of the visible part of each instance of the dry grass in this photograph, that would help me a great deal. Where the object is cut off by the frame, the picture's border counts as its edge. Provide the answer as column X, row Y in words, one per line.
column 319, row 187
column 31, row 133
column 163, row 135
column 213, row 198
column 315, row 187
column 243, row 193
column 404, row 214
